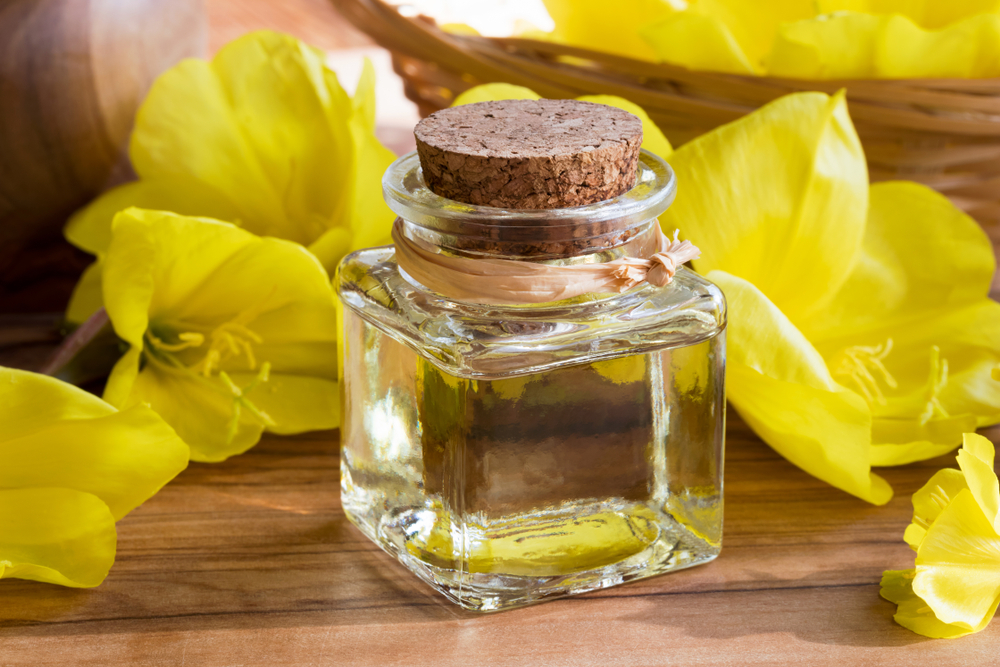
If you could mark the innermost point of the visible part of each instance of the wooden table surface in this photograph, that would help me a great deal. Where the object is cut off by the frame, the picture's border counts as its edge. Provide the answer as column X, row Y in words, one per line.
column 252, row 561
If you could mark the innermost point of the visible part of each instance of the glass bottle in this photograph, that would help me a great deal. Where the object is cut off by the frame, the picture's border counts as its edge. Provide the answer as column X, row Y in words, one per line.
column 508, row 454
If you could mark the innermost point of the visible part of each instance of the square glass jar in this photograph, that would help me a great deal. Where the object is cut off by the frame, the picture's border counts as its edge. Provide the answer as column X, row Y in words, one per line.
column 508, row 454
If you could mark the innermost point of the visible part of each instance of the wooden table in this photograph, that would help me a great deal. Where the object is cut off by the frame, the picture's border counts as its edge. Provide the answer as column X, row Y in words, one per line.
column 252, row 561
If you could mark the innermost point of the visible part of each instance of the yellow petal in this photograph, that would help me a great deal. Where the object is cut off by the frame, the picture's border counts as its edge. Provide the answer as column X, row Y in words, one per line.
column 958, row 565
column 933, row 497
column 90, row 228
column 30, row 401
column 87, row 296
column 459, row 29
column 829, row 47
column 967, row 49
column 56, row 435
column 754, row 25
column 976, row 461
column 603, row 26
column 697, row 42
column 268, row 127
column 186, row 128
column 123, row 458
column 792, row 235
column 898, row 441
column 653, row 140
column 490, row 92
column 296, row 403
column 200, row 410
column 913, row 612
column 928, row 13
column 783, row 390
column 369, row 218
column 58, row 536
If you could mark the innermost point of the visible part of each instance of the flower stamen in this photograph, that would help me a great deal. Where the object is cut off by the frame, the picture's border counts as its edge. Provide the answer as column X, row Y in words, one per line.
column 935, row 385
column 858, row 362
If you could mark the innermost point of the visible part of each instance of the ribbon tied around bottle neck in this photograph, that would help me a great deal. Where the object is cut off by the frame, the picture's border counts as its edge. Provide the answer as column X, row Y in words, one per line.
column 510, row 282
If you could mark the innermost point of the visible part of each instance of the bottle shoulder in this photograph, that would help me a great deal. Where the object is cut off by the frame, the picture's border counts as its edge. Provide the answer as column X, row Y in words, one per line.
column 488, row 341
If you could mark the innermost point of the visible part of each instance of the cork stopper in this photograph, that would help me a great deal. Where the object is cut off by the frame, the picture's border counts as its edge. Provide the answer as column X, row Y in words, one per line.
column 530, row 154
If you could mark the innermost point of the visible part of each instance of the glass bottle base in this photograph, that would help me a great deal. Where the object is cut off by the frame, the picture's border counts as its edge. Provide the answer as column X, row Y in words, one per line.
column 575, row 548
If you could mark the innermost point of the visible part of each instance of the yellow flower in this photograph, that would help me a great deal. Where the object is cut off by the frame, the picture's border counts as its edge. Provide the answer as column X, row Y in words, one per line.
column 653, row 139
column 230, row 334
column 263, row 137
column 611, row 27
column 862, row 46
column 72, row 466
column 955, row 587
column 722, row 35
column 860, row 331
column 860, row 328
column 805, row 38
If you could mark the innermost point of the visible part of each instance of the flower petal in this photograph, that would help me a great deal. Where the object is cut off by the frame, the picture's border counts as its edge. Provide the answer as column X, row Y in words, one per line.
column 928, row 13
column 491, row 92
column 913, row 613
column 920, row 255
column 123, row 458
column 607, row 27
column 958, row 564
column 296, row 404
column 793, row 235
column 698, row 43
column 200, row 409
column 833, row 47
column 901, row 441
column 87, row 297
column 967, row 49
column 934, row 496
column 56, row 435
column 187, row 129
column 976, row 461
column 30, row 401
column 90, row 228
column 369, row 217
column 782, row 388
column 59, row 536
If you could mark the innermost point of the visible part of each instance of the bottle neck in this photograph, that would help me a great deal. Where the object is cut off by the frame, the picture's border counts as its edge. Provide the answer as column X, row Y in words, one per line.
column 541, row 245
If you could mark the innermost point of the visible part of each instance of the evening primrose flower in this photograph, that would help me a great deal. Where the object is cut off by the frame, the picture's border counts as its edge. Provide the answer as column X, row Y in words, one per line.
column 954, row 589
column 827, row 39
column 72, row 466
column 230, row 334
column 611, row 27
column 860, row 330
column 262, row 136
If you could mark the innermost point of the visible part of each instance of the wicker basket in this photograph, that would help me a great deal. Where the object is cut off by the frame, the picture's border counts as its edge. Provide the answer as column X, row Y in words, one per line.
column 941, row 132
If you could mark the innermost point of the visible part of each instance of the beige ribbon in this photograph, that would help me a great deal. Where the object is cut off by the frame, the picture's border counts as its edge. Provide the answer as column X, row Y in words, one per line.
column 505, row 281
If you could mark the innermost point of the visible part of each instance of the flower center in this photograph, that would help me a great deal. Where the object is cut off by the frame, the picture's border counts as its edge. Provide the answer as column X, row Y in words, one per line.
column 862, row 365
column 229, row 340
